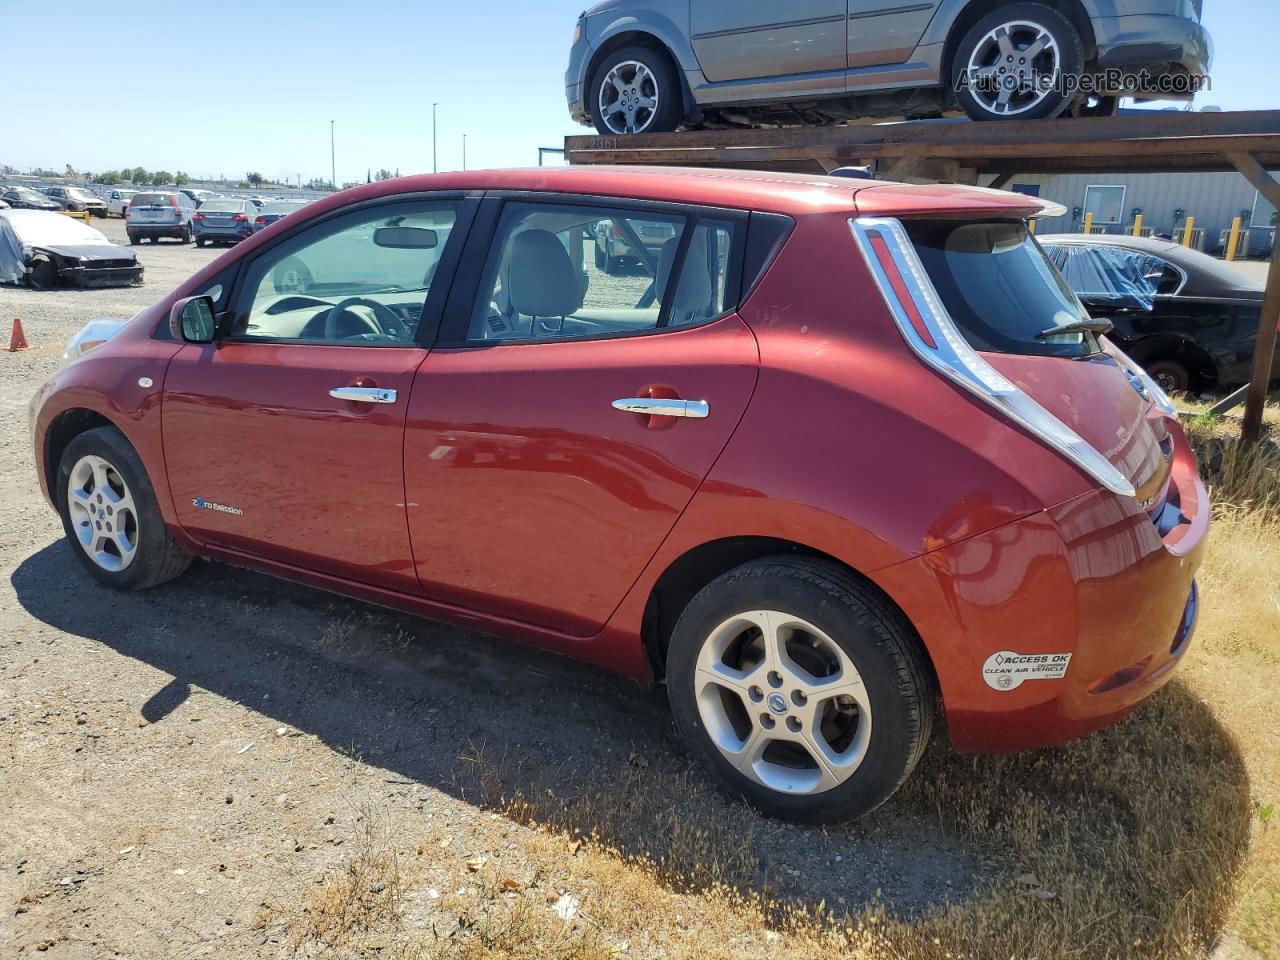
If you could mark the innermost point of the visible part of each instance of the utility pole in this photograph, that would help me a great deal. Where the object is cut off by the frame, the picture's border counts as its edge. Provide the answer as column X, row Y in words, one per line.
column 433, row 137
column 333, row 163
column 464, row 151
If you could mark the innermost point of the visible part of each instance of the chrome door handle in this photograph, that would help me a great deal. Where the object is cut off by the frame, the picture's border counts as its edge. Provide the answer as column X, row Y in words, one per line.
column 364, row 394
column 654, row 407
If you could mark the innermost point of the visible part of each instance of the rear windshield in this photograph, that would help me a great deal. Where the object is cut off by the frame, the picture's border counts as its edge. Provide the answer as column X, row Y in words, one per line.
column 152, row 200
column 281, row 207
column 1000, row 289
column 222, row 206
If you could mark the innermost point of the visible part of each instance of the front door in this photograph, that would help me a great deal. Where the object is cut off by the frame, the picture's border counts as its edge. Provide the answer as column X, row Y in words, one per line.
column 537, row 491
column 747, row 39
column 284, row 439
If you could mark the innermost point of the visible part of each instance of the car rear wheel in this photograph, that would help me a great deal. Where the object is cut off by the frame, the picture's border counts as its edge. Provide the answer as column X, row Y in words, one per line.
column 1010, row 64
column 1170, row 375
column 43, row 273
column 110, row 515
column 186, row 235
column 800, row 688
column 200, row 241
column 635, row 90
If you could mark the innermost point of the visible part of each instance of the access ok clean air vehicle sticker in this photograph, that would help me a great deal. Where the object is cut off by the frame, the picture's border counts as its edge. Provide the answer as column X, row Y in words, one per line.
column 1007, row 670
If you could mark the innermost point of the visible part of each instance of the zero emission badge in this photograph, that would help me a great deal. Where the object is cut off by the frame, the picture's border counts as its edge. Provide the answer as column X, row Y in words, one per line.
column 1006, row 670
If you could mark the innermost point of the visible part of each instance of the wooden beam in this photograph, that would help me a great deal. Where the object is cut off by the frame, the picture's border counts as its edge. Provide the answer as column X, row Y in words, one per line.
column 1264, row 348
column 1000, row 180
column 1254, row 172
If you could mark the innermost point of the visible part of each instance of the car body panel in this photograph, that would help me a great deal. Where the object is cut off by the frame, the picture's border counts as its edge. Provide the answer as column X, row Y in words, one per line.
column 573, row 495
column 527, row 506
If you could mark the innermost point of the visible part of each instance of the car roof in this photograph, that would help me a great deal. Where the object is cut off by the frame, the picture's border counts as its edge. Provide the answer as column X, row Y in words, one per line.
column 1206, row 276
column 791, row 193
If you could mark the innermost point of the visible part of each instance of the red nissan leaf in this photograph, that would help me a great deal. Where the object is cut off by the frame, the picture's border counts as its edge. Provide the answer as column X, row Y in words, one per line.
column 825, row 456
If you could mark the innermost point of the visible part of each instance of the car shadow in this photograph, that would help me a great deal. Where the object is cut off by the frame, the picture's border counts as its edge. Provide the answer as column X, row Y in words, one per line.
column 559, row 744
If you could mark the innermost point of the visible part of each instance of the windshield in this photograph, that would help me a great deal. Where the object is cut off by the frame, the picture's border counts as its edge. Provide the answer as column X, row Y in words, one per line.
column 28, row 195
column 1000, row 289
column 80, row 194
column 222, row 206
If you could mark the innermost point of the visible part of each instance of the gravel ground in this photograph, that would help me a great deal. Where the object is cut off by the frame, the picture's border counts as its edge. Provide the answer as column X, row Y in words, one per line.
column 178, row 760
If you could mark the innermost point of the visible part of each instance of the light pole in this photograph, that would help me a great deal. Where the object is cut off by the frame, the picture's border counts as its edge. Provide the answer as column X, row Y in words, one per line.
column 464, row 151
column 433, row 137
column 333, row 164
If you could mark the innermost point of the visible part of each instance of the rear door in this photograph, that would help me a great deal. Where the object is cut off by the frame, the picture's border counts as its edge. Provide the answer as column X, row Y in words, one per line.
column 284, row 439
column 536, row 491
column 881, row 32
column 746, row 39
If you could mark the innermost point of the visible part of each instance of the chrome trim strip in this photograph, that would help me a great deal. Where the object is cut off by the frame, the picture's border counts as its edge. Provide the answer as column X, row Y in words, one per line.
column 655, row 407
column 812, row 21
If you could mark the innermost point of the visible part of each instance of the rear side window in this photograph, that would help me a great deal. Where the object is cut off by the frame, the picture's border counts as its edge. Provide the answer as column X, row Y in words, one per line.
column 1000, row 289
column 577, row 272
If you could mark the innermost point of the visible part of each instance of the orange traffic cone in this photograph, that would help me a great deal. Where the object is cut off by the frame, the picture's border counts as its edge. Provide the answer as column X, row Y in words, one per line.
column 19, row 339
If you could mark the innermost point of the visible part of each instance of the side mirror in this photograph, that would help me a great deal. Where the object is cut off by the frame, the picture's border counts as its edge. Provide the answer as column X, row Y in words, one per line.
column 191, row 320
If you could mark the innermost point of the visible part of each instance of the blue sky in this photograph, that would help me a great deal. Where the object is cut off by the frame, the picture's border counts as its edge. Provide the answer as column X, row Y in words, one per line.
column 254, row 85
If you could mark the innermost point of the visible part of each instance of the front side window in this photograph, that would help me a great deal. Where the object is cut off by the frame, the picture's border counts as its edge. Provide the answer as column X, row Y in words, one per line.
column 574, row 272
column 359, row 279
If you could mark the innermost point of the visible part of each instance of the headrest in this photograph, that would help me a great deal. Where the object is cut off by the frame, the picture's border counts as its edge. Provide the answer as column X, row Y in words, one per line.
column 541, row 281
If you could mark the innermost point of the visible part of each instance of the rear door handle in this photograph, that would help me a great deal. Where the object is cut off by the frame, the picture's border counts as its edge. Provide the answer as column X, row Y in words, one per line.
column 654, row 407
column 364, row 394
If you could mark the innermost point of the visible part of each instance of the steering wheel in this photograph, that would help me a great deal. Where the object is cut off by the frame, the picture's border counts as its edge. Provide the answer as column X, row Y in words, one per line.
column 385, row 322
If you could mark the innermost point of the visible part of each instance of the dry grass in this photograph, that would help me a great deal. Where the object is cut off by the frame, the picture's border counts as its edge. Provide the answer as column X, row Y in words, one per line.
column 1155, row 839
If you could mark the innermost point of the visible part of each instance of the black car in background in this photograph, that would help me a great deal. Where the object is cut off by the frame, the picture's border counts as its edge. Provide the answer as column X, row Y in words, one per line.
column 24, row 198
column 1189, row 319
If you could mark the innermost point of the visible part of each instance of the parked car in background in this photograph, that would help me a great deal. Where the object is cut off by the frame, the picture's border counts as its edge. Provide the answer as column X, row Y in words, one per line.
column 197, row 196
column 638, row 66
column 24, row 198
column 614, row 249
column 118, row 200
column 1191, row 320
column 726, row 467
column 78, row 199
column 273, row 210
column 162, row 214
column 4, row 205
column 223, row 220
column 44, row 249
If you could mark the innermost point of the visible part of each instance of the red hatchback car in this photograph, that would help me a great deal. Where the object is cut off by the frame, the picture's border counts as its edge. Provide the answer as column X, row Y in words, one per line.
column 830, row 451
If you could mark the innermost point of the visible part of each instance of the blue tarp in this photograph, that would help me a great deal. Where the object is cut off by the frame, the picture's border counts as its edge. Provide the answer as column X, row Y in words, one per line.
column 1112, row 275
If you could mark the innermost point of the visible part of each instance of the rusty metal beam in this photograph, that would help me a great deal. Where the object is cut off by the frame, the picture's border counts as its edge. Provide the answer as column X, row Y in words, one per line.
column 1257, row 175
column 1264, row 348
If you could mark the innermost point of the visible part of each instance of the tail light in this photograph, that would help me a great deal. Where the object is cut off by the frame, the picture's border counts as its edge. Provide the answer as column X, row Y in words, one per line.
column 933, row 336
column 260, row 220
column 199, row 217
column 240, row 218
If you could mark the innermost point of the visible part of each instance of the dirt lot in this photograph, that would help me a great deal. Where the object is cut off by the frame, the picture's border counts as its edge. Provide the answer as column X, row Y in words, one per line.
column 234, row 766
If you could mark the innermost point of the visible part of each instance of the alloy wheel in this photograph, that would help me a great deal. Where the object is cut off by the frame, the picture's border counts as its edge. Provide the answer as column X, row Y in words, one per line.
column 102, row 513
column 1014, row 68
column 782, row 702
column 629, row 97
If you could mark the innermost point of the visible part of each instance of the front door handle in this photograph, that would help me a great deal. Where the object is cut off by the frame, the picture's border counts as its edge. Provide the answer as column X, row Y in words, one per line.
column 655, row 407
column 364, row 394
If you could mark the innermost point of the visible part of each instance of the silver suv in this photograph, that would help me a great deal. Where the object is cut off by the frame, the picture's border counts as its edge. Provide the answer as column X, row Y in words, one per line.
column 641, row 66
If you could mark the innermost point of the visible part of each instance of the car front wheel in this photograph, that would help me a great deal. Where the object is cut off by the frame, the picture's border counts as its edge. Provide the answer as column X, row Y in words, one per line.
column 1011, row 64
column 110, row 515
column 635, row 90
column 800, row 688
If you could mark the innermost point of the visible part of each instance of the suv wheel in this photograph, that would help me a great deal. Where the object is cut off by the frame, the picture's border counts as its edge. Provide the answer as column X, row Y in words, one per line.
column 110, row 515
column 1010, row 64
column 635, row 90
column 800, row 689
column 186, row 235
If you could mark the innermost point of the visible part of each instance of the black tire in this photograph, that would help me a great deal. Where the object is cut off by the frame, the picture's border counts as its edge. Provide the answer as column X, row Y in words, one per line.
column 43, row 274
column 874, row 635
column 1066, row 41
column 134, row 240
column 1171, row 375
column 186, row 235
column 158, row 557
column 665, row 82
column 200, row 241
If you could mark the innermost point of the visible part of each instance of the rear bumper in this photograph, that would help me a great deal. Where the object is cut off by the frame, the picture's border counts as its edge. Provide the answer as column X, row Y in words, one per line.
column 155, row 229
column 1153, row 41
column 223, row 233
column 1095, row 607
